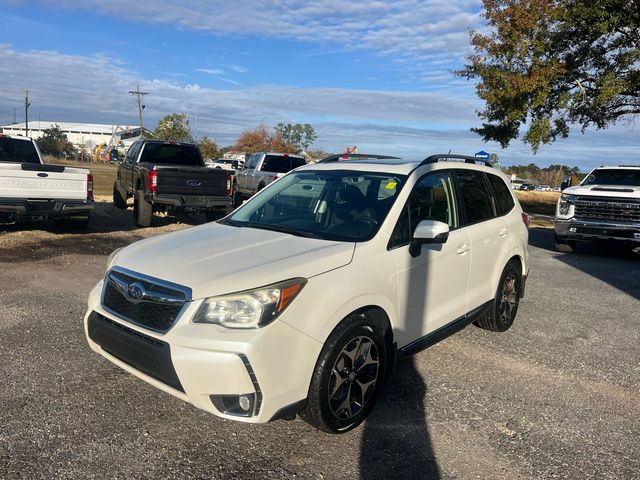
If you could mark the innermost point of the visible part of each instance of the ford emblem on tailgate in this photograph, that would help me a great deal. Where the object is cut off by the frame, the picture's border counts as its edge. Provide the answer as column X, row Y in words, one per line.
column 136, row 291
column 193, row 183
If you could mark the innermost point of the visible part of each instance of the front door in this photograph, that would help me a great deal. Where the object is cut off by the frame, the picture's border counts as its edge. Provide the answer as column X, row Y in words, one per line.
column 432, row 287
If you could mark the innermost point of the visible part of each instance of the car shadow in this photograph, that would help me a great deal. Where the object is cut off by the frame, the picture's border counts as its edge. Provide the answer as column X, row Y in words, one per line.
column 615, row 263
column 396, row 441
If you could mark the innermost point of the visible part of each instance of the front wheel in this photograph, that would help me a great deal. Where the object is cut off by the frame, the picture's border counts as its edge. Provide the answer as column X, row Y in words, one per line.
column 348, row 376
column 501, row 316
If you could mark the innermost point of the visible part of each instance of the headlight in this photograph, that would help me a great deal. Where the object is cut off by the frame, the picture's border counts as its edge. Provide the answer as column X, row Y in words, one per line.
column 565, row 202
column 112, row 256
column 251, row 308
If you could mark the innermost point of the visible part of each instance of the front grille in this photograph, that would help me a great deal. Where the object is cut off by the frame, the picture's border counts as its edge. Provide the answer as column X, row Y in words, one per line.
column 604, row 208
column 156, row 308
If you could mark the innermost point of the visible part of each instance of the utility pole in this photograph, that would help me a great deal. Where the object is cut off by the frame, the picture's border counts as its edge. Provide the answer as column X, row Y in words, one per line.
column 26, row 113
column 138, row 94
column 14, row 115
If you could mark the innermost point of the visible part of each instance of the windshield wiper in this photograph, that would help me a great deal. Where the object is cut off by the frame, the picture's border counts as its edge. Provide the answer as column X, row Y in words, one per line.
column 282, row 229
column 232, row 223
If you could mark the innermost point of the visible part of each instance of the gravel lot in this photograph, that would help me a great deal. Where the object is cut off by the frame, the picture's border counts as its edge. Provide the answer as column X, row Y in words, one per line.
column 557, row 396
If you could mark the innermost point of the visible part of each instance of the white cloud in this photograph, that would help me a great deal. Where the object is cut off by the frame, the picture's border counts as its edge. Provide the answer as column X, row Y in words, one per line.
column 210, row 71
column 414, row 124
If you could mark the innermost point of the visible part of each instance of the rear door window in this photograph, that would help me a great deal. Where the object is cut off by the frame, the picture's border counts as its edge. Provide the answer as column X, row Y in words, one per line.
column 476, row 197
column 19, row 151
column 171, row 154
column 280, row 163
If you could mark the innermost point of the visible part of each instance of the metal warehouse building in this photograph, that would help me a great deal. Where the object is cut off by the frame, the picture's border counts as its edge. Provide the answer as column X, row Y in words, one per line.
column 87, row 134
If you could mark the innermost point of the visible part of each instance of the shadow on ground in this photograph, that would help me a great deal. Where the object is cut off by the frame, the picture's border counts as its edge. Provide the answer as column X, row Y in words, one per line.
column 396, row 441
column 616, row 263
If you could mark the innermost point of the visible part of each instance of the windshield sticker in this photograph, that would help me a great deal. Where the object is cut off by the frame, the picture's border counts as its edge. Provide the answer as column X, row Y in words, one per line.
column 391, row 185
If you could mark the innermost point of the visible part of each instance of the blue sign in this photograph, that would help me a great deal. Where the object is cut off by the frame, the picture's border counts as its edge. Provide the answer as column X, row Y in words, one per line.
column 482, row 154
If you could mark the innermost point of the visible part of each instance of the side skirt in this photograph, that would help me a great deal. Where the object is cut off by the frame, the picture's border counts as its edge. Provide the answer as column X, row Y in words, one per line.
column 444, row 331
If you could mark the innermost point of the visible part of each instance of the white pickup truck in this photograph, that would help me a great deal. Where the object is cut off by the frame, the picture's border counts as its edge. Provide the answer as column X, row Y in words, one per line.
column 32, row 190
column 606, row 205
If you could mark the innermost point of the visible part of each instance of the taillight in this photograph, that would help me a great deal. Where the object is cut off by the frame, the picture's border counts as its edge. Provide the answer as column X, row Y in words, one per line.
column 525, row 219
column 153, row 180
column 89, row 187
column 228, row 185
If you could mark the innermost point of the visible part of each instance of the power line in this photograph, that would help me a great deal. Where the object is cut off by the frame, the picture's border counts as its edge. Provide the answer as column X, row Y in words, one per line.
column 138, row 94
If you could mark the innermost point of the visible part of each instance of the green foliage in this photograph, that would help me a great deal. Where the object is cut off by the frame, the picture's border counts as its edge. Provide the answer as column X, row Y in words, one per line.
column 549, row 64
column 208, row 148
column 55, row 142
column 173, row 127
column 551, row 175
column 300, row 136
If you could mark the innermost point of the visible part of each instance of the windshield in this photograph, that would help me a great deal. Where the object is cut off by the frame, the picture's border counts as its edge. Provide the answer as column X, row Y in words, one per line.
column 18, row 151
column 337, row 205
column 171, row 154
column 613, row 176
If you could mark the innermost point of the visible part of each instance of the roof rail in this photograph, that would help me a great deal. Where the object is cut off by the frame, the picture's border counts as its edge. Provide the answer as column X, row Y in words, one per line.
column 635, row 166
column 358, row 156
column 445, row 156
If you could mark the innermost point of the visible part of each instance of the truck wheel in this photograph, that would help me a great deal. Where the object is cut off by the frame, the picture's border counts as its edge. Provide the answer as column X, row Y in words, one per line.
column 119, row 199
column 260, row 187
column 564, row 245
column 75, row 225
column 500, row 317
column 348, row 376
column 142, row 210
column 236, row 198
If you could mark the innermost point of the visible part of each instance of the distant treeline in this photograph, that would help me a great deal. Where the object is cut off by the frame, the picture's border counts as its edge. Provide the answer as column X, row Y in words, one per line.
column 551, row 175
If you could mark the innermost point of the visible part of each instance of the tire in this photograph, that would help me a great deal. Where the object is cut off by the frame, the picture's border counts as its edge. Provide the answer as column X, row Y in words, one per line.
column 119, row 200
column 500, row 317
column 341, row 412
column 260, row 187
column 564, row 245
column 236, row 198
column 213, row 215
column 74, row 225
column 142, row 210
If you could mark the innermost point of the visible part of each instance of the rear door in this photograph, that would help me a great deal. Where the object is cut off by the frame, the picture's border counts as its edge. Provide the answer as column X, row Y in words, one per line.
column 488, row 231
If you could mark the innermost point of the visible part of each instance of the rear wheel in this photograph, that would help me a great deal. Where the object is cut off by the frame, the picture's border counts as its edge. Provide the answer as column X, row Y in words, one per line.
column 564, row 245
column 142, row 210
column 348, row 376
column 501, row 316
column 212, row 215
column 236, row 197
column 119, row 197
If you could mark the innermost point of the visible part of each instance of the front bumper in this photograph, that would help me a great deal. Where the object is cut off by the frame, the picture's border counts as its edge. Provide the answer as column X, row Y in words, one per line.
column 28, row 208
column 582, row 229
column 199, row 362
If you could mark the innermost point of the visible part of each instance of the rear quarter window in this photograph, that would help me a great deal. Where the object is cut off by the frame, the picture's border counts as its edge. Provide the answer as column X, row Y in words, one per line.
column 504, row 200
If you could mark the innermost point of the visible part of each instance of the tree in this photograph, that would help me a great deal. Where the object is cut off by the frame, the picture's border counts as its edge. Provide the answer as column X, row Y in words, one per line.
column 174, row 127
column 300, row 136
column 255, row 140
column 208, row 148
column 55, row 142
column 552, row 64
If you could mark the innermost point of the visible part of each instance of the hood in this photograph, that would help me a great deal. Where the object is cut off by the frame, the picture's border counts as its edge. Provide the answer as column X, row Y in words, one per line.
column 215, row 259
column 610, row 191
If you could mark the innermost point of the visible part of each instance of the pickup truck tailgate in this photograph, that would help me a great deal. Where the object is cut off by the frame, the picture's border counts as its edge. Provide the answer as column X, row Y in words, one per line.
column 203, row 181
column 33, row 181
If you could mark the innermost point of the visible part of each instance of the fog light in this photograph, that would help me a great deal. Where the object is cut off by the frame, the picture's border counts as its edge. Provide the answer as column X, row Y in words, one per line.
column 237, row 405
column 245, row 403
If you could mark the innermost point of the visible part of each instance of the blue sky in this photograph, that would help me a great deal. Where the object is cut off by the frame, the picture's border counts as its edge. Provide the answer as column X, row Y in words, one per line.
column 375, row 74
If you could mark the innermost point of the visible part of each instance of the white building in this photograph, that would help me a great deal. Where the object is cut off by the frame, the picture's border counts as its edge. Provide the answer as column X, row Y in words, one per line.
column 80, row 134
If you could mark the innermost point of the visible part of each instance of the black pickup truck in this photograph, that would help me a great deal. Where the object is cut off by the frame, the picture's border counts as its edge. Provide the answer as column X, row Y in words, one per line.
column 169, row 176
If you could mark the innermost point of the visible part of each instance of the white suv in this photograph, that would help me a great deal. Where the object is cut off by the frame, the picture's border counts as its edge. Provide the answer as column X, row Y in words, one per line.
column 303, row 298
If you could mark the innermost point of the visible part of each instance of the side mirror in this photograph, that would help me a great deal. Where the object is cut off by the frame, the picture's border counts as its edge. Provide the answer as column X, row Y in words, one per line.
column 428, row 231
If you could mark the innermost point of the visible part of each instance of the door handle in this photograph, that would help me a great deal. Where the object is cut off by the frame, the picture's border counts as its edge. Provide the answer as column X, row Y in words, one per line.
column 464, row 248
column 503, row 232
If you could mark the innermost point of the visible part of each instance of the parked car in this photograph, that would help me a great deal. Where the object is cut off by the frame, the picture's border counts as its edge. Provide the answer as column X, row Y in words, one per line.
column 527, row 187
column 557, row 189
column 170, row 176
column 260, row 170
column 302, row 299
column 606, row 205
column 33, row 190
column 543, row 188
column 226, row 164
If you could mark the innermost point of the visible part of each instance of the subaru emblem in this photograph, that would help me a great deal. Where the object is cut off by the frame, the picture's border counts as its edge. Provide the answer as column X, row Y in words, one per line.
column 193, row 183
column 136, row 291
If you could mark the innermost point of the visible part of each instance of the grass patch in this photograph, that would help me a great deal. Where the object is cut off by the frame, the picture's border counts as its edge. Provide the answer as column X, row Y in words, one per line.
column 538, row 202
column 103, row 173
